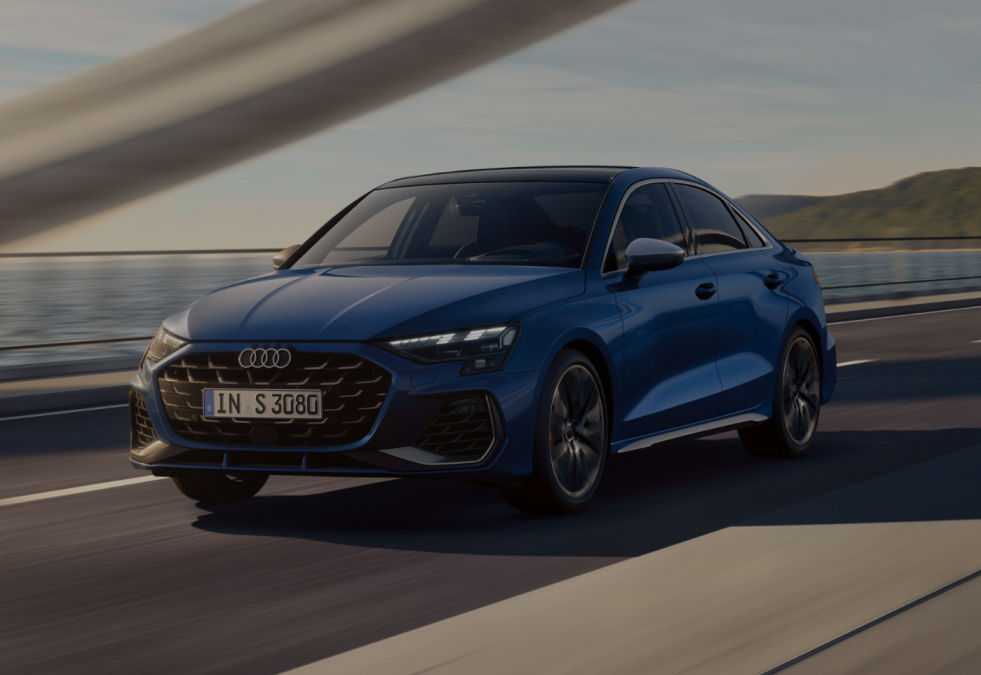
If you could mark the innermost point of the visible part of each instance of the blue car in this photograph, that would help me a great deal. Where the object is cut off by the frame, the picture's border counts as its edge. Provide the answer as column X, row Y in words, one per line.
column 509, row 326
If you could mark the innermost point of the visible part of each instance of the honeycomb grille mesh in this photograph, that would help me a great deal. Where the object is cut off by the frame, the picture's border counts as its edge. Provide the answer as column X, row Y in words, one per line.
column 353, row 389
column 462, row 430
column 141, row 432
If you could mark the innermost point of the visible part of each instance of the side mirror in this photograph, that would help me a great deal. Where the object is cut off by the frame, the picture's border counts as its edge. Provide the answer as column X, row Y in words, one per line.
column 284, row 255
column 645, row 255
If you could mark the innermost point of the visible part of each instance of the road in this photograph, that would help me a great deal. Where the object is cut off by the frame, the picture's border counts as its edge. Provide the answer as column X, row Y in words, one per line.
column 138, row 578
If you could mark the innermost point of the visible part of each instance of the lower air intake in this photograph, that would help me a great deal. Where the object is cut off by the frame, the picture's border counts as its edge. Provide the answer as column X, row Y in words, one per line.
column 462, row 430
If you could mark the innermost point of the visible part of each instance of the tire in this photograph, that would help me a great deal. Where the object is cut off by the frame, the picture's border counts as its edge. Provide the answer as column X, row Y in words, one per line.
column 571, row 440
column 790, row 431
column 215, row 487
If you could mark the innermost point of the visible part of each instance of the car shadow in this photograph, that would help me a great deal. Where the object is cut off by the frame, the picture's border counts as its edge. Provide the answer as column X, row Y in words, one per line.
column 648, row 500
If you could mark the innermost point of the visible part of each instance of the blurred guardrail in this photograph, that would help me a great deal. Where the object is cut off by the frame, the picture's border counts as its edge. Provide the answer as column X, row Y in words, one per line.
column 69, row 306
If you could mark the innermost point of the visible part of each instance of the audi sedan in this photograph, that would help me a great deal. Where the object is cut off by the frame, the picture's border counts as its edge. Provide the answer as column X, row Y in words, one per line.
column 509, row 326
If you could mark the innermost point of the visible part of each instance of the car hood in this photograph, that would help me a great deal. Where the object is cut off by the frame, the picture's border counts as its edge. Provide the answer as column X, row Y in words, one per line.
column 370, row 302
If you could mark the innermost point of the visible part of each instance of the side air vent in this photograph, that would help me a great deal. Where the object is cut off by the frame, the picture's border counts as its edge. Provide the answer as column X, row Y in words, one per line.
column 141, row 432
column 462, row 430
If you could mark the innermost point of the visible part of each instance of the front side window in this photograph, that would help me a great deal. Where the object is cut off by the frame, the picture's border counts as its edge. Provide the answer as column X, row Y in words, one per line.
column 529, row 223
column 647, row 214
column 713, row 224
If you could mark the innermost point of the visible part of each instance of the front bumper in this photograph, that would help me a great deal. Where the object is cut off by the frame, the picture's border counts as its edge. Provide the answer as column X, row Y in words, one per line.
column 396, row 445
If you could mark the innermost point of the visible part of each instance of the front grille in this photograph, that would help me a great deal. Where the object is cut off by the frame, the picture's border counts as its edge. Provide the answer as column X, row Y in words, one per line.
column 353, row 388
column 462, row 430
column 141, row 432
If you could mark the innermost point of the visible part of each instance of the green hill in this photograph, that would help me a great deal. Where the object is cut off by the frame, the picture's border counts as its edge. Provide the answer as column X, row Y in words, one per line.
column 938, row 203
column 766, row 207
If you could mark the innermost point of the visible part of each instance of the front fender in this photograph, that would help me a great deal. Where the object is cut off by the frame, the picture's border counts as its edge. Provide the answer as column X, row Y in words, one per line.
column 544, row 333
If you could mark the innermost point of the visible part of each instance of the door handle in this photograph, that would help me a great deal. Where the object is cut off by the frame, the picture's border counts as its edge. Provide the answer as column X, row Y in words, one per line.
column 772, row 280
column 705, row 291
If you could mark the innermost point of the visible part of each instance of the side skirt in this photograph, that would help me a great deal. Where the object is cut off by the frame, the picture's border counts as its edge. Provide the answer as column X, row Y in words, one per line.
column 713, row 426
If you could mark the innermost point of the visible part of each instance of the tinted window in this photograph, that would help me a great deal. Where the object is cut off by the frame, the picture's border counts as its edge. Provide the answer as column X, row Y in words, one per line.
column 533, row 223
column 755, row 241
column 453, row 228
column 715, row 229
column 648, row 213
column 381, row 226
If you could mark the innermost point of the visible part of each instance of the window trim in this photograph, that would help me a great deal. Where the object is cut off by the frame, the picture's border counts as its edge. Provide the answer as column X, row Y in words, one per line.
column 679, row 209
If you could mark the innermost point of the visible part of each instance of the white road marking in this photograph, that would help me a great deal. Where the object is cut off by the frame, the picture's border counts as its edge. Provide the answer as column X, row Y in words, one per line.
column 977, row 342
column 855, row 362
column 81, row 489
column 900, row 316
column 63, row 412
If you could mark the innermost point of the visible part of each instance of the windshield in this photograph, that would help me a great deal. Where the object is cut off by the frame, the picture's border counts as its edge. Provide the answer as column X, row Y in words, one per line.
column 491, row 223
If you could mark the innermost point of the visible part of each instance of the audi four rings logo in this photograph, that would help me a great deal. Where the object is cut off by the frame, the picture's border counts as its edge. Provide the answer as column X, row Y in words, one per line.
column 265, row 357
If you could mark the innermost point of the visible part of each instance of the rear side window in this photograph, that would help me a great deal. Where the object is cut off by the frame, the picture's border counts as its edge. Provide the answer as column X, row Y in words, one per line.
column 713, row 224
column 649, row 214
column 754, row 239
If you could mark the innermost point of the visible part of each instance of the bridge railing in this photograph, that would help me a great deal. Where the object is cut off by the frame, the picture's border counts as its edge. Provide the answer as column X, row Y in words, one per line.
column 60, row 306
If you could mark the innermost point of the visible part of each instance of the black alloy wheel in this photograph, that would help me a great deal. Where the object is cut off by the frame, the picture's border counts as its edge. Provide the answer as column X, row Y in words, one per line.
column 572, row 440
column 796, row 405
column 801, row 391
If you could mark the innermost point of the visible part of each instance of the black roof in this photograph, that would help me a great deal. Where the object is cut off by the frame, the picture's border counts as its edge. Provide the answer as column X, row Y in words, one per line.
column 554, row 174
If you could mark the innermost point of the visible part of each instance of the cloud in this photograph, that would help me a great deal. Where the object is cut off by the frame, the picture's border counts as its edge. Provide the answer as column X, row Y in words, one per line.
column 102, row 28
column 43, row 41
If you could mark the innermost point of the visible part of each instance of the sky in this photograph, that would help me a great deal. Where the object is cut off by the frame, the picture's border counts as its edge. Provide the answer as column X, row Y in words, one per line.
column 755, row 96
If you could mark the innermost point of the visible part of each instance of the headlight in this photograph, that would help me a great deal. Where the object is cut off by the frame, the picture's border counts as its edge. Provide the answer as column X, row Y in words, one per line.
column 162, row 345
column 481, row 349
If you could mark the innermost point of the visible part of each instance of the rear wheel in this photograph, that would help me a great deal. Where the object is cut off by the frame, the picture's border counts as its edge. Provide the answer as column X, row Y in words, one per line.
column 571, row 440
column 796, row 403
column 215, row 487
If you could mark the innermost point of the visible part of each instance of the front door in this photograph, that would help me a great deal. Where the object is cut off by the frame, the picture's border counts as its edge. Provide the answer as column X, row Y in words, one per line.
column 668, row 375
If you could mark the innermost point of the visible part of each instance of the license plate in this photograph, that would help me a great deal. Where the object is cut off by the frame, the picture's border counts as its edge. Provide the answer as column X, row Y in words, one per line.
column 263, row 404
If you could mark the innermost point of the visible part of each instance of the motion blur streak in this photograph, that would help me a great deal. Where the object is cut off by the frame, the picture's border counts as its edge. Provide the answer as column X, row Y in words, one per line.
column 752, row 563
column 264, row 76
column 63, row 412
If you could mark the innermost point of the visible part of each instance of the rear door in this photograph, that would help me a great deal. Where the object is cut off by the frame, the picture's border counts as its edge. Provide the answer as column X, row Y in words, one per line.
column 666, row 363
column 752, row 312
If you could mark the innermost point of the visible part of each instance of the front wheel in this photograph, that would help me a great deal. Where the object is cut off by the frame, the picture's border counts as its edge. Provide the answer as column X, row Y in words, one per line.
column 796, row 403
column 571, row 440
column 215, row 487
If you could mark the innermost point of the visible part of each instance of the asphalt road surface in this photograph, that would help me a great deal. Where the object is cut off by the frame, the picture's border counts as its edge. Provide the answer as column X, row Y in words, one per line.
column 137, row 578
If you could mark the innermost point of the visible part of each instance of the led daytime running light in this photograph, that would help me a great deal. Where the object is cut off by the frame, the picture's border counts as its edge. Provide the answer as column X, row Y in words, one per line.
column 447, row 338
column 480, row 349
